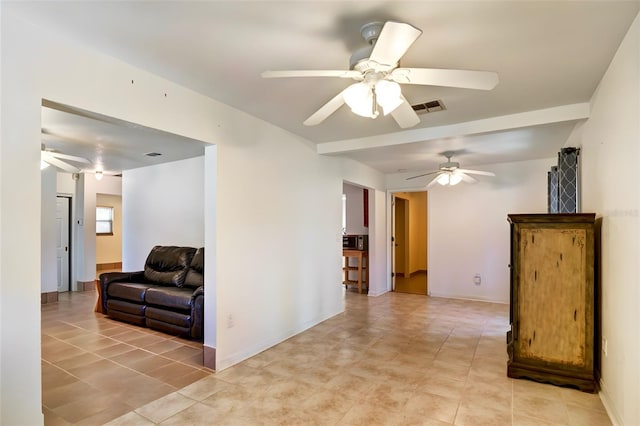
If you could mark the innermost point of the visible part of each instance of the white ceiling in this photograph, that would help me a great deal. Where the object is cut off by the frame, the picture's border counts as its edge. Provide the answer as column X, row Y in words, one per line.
column 549, row 57
column 110, row 145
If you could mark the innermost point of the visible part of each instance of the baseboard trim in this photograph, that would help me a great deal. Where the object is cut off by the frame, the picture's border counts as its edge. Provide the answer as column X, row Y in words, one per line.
column 608, row 405
column 470, row 298
column 209, row 357
column 418, row 271
column 106, row 266
column 48, row 297
column 86, row 285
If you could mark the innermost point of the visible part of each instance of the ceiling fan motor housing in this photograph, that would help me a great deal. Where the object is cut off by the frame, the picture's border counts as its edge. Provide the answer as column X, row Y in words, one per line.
column 449, row 166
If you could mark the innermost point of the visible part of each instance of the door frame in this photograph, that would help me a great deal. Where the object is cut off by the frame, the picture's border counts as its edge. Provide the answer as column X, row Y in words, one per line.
column 69, row 199
column 391, row 229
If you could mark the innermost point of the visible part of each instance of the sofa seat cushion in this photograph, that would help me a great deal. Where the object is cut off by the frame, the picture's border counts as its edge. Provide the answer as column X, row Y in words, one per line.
column 123, row 306
column 170, row 297
column 171, row 317
column 134, row 292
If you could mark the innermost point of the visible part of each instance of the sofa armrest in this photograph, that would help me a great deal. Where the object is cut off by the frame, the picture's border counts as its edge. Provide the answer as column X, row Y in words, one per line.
column 112, row 277
column 197, row 313
column 198, row 292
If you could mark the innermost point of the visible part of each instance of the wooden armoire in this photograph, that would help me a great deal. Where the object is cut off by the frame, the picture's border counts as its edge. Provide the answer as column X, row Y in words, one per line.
column 553, row 299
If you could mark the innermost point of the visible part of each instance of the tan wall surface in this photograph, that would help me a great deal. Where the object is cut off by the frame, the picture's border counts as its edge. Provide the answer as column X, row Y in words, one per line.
column 109, row 247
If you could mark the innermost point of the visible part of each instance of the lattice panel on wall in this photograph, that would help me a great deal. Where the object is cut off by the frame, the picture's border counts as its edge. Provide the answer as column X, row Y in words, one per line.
column 563, row 183
column 552, row 184
column 568, row 180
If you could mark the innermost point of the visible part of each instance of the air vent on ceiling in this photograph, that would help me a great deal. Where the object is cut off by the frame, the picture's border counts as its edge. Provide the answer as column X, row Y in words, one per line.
column 431, row 106
column 153, row 154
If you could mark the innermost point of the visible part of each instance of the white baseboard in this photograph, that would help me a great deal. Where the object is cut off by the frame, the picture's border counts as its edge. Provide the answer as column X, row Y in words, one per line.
column 463, row 297
column 609, row 406
column 240, row 356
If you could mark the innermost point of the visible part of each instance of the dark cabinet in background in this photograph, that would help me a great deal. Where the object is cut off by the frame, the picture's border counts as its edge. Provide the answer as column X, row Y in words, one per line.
column 553, row 299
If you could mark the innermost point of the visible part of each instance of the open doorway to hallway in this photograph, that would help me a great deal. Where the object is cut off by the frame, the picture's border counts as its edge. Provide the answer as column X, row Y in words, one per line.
column 409, row 242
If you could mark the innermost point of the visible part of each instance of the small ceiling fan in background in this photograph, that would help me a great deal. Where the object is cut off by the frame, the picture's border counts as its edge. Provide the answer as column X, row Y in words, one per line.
column 61, row 161
column 376, row 67
column 450, row 173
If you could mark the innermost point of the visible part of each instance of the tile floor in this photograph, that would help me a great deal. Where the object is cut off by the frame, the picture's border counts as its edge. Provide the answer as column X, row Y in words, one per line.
column 397, row 359
column 95, row 369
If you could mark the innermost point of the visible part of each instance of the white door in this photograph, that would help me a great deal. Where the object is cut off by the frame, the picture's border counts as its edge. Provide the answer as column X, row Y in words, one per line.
column 393, row 242
column 62, row 242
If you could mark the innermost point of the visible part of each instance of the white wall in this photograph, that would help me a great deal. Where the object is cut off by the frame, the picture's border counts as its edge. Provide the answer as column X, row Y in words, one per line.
column 279, row 246
column 610, row 148
column 85, row 223
column 49, row 270
column 161, row 205
column 355, row 209
column 277, row 218
column 468, row 229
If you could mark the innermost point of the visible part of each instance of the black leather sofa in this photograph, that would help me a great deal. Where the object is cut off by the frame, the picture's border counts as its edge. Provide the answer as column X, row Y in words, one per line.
column 167, row 296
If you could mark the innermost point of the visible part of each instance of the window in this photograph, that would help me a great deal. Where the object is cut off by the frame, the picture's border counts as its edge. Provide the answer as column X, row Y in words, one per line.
column 104, row 220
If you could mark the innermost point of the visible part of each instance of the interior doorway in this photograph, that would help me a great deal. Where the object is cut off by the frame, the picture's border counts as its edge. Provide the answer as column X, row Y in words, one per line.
column 63, row 242
column 409, row 243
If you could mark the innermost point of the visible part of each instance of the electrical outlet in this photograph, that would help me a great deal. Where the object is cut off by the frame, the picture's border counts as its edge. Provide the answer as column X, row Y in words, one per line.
column 605, row 349
column 230, row 321
column 477, row 279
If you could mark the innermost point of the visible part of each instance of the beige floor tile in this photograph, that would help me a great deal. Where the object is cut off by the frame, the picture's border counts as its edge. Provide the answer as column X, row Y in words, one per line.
column 432, row 406
column 522, row 420
column 481, row 415
column 540, row 390
column 542, row 408
column 204, row 388
column 369, row 414
column 579, row 416
column 130, row 419
column 394, row 359
column 591, row 401
column 165, row 407
column 443, row 386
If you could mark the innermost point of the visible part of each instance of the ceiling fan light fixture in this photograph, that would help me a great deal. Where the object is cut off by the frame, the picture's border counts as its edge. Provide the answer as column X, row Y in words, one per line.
column 455, row 179
column 359, row 97
column 388, row 95
column 443, row 179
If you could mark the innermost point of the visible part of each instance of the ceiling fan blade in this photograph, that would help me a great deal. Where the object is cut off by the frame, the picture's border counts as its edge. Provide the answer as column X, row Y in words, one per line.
column 68, row 157
column 59, row 163
column 476, row 172
column 404, row 115
column 433, row 181
column 465, row 177
column 424, row 174
column 466, row 79
column 393, row 42
column 357, row 75
column 326, row 110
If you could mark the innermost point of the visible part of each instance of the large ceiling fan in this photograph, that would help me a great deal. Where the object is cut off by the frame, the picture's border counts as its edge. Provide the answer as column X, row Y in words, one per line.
column 56, row 159
column 376, row 68
column 450, row 173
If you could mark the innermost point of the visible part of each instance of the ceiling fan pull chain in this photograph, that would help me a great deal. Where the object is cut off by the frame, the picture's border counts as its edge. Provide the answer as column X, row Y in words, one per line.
column 374, row 104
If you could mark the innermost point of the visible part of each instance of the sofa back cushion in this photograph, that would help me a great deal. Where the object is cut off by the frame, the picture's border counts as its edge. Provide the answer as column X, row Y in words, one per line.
column 168, row 265
column 195, row 274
